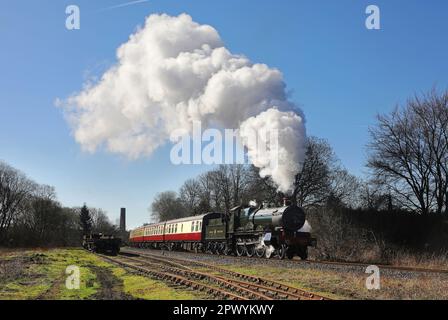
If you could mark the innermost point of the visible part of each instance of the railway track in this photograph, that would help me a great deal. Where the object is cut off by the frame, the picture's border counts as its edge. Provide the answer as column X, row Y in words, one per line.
column 244, row 291
column 381, row 266
column 259, row 288
column 352, row 264
column 175, row 279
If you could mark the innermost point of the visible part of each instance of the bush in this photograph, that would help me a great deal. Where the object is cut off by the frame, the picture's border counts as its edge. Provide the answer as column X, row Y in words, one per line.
column 376, row 236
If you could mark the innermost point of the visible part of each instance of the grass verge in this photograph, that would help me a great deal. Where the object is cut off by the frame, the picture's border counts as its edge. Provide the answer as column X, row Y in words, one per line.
column 41, row 274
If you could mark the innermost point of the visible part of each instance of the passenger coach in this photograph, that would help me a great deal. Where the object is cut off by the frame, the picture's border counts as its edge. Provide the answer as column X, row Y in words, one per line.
column 186, row 233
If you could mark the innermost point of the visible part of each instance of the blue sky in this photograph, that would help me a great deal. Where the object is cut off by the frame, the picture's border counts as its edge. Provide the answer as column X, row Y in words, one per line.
column 340, row 73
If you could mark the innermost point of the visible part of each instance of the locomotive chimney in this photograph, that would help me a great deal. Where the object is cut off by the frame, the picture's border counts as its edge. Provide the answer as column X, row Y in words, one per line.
column 123, row 222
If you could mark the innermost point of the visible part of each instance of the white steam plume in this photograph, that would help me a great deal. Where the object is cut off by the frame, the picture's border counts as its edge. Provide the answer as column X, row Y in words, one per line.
column 172, row 72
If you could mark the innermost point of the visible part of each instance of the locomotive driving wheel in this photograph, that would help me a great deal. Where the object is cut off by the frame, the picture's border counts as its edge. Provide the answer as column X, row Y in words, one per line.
column 260, row 251
column 250, row 250
column 240, row 250
column 224, row 248
column 281, row 251
column 227, row 250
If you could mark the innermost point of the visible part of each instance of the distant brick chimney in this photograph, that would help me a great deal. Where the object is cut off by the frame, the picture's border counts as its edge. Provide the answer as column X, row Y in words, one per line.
column 123, row 222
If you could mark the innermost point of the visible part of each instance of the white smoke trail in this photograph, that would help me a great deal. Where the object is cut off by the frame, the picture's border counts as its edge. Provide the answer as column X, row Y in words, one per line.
column 126, row 4
column 172, row 72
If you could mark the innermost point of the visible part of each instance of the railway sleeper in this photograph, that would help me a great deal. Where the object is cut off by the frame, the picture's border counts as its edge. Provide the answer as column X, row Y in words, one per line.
column 295, row 291
column 211, row 279
column 175, row 279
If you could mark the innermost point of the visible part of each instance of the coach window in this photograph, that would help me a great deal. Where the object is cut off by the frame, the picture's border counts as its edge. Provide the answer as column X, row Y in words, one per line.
column 192, row 226
column 181, row 227
column 175, row 229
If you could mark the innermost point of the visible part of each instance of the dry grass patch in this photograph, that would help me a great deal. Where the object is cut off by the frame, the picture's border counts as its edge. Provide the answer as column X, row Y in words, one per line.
column 351, row 285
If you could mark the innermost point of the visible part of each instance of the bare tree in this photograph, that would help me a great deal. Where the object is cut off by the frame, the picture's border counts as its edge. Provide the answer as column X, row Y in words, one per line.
column 167, row 206
column 313, row 183
column 409, row 153
column 15, row 189
column 262, row 189
column 346, row 188
column 101, row 222
column 222, row 188
column 190, row 195
column 206, row 192
column 44, row 216
column 374, row 195
column 229, row 186
column 239, row 178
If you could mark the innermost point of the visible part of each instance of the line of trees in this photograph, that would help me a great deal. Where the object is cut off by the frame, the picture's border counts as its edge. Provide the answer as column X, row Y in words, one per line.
column 407, row 185
column 322, row 179
column 30, row 214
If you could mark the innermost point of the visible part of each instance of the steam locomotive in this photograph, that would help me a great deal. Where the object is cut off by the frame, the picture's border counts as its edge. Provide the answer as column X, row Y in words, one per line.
column 244, row 231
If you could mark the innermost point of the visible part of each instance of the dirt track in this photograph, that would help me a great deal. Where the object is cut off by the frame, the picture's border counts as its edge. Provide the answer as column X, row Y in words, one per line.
column 111, row 287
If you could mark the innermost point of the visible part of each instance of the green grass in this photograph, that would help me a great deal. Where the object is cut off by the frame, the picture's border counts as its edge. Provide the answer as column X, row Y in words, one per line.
column 45, row 278
column 148, row 289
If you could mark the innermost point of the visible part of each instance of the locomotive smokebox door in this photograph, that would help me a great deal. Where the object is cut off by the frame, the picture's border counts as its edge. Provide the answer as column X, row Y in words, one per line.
column 293, row 218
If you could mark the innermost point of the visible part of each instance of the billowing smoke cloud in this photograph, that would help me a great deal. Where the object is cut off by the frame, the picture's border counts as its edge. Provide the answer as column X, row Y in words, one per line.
column 172, row 72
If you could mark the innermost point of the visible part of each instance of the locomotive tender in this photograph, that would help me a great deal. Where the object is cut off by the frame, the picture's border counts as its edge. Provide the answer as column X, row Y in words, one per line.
column 249, row 231
column 101, row 243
